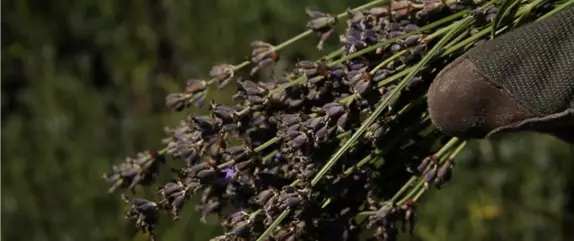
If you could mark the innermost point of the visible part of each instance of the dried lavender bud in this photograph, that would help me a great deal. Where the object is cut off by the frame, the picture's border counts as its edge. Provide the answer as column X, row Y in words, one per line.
column 423, row 165
column 357, row 66
column 381, row 75
column 263, row 54
column 418, row 50
column 242, row 229
column 264, row 196
column 386, row 209
column 412, row 40
column 415, row 53
column 337, row 72
column 322, row 23
column 177, row 205
column 289, row 120
column 299, row 141
column 355, row 76
column 312, row 95
column 314, row 123
column 379, row 11
column 362, row 87
column 237, row 150
column 393, row 27
column 171, row 188
column 396, row 48
column 222, row 73
column 334, row 110
column 315, row 80
column 195, row 86
column 294, row 127
column 198, row 102
column 444, row 173
column 229, row 127
column 342, row 122
column 205, row 123
column 262, row 64
column 251, row 88
column 234, row 218
column 291, row 133
column 369, row 36
column 430, row 6
column 306, row 64
column 196, row 168
column 294, row 102
column 176, row 101
column 224, row 113
column 290, row 202
column 430, row 174
column 142, row 170
column 146, row 214
column 394, row 34
column 411, row 27
column 322, row 134
column 400, row 9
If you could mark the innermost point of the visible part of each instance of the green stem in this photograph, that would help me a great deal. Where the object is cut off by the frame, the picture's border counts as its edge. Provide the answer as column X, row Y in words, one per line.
column 556, row 9
column 457, row 39
column 340, row 152
column 446, row 147
column 387, row 61
column 435, row 24
column 505, row 8
column 418, row 195
column 377, row 155
column 267, row 144
column 292, row 40
column 235, row 68
column 274, row 225
column 390, row 41
column 163, row 151
column 268, row 157
column 457, row 150
column 419, row 185
column 226, row 164
column 380, row 84
column 403, row 188
column 299, row 37
column 306, row 33
column 361, row 8
column 417, row 191
column 522, row 11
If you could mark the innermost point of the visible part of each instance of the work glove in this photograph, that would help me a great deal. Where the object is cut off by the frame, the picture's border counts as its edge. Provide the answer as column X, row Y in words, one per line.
column 520, row 81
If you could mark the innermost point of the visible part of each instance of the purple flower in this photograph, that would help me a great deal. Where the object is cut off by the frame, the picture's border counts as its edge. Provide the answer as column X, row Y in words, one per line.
column 229, row 173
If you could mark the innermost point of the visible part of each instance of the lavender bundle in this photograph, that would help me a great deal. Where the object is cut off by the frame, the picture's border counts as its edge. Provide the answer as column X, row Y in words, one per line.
column 336, row 149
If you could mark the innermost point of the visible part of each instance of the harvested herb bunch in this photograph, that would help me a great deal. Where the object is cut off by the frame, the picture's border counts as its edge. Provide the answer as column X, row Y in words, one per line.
column 336, row 148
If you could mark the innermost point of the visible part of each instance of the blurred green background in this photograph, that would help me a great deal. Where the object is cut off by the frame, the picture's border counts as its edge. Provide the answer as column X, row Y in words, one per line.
column 83, row 86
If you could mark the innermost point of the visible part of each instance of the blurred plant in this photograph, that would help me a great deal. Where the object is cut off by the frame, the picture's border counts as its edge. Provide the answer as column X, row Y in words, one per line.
column 317, row 154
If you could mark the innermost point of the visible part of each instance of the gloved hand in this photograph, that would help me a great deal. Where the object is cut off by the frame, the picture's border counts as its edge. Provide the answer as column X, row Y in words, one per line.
column 520, row 81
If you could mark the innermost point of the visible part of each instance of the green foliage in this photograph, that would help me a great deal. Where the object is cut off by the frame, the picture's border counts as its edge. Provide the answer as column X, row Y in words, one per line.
column 84, row 84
